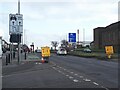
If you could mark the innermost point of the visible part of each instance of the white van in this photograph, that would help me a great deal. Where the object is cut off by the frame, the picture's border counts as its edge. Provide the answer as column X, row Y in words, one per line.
column 0, row 48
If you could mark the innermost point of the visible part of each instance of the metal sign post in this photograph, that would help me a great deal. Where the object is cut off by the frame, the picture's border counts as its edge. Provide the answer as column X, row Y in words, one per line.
column 16, row 30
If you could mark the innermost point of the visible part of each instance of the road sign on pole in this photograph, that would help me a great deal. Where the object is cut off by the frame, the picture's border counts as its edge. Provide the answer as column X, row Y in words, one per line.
column 109, row 51
column 72, row 37
column 15, row 24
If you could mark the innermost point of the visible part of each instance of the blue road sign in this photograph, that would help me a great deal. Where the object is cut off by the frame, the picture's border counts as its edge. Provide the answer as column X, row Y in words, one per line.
column 72, row 37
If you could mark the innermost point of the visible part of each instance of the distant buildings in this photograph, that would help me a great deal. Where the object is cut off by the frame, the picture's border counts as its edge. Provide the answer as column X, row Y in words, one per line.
column 109, row 35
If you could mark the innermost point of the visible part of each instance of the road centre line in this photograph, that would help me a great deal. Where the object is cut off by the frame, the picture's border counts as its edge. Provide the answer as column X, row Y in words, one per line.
column 87, row 80
column 95, row 83
column 104, row 87
column 81, row 76
column 64, row 69
column 75, row 74
column 75, row 80
column 67, row 75
column 70, row 77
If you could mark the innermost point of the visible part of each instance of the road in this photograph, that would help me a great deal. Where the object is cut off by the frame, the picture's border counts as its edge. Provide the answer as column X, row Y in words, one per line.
column 62, row 72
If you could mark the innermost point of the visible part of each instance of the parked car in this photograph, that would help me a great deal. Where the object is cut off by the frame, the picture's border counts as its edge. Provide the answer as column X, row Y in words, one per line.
column 87, row 50
column 61, row 51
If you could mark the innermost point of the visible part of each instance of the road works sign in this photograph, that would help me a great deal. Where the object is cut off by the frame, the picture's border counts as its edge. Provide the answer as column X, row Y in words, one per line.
column 72, row 37
column 109, row 49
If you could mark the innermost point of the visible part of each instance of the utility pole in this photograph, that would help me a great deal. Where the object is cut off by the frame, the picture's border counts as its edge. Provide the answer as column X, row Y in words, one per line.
column 78, row 35
column 19, row 46
column 83, row 37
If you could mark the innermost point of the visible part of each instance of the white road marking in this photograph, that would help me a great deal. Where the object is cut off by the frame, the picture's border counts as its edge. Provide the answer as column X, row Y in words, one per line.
column 67, row 75
column 70, row 77
column 81, row 76
column 87, row 80
column 95, row 83
column 59, row 71
column 39, row 63
column 36, row 63
column 68, row 71
column 71, row 72
column 63, row 73
column 104, row 87
column 76, row 74
column 64, row 69
column 75, row 80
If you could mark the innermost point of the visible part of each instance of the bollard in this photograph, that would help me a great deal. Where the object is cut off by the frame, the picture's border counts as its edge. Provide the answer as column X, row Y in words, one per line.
column 14, row 55
column 6, row 59
column 25, row 55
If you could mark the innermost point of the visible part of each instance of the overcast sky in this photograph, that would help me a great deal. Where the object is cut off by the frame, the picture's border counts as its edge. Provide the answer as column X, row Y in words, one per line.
column 52, row 20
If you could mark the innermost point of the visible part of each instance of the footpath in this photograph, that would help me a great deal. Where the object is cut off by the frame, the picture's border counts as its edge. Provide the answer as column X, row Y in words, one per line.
column 24, row 64
column 29, row 57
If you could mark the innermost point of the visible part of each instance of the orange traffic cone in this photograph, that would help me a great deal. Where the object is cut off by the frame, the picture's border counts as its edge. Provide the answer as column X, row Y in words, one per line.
column 43, row 60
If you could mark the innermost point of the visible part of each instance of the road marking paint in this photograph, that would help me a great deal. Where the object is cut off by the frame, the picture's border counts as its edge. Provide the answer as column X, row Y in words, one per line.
column 75, row 74
column 75, row 80
column 39, row 63
column 104, row 87
column 68, row 71
column 63, row 73
column 70, row 77
column 95, row 83
column 36, row 63
column 65, row 69
column 81, row 76
column 58, row 71
column 71, row 72
column 67, row 75
column 87, row 80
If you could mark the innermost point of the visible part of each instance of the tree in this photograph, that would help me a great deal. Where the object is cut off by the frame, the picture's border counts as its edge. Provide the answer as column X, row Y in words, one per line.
column 64, row 43
column 54, row 44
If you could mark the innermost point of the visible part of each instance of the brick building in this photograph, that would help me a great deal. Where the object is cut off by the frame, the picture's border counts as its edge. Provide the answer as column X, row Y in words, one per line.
column 105, row 36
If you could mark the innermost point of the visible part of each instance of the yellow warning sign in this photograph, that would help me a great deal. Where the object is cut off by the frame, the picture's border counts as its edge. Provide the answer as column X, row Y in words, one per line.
column 109, row 49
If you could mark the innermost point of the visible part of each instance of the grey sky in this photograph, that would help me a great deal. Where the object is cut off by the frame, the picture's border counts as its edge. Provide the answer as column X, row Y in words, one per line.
column 51, row 20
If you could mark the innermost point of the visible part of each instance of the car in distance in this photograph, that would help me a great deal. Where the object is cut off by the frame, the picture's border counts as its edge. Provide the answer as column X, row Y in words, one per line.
column 38, row 51
column 87, row 50
column 61, row 51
